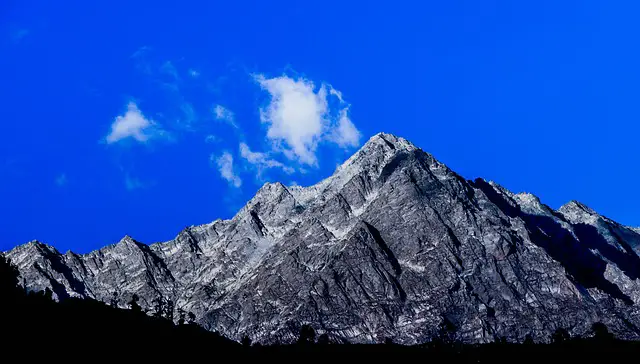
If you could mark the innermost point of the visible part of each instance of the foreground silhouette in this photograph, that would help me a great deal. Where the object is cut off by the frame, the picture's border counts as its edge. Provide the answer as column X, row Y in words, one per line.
column 34, row 325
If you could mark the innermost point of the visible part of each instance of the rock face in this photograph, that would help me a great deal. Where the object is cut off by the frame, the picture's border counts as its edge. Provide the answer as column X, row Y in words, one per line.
column 391, row 246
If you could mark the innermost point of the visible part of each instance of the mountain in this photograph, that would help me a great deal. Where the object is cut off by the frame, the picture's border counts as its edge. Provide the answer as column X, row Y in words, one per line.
column 393, row 245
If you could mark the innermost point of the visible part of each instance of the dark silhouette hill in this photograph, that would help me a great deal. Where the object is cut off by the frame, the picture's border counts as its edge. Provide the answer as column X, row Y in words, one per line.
column 36, row 327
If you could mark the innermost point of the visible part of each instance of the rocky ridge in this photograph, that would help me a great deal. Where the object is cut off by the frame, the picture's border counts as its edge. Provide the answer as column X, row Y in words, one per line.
column 390, row 246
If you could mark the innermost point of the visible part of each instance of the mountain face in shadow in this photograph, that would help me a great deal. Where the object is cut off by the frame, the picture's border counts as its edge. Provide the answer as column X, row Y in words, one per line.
column 393, row 245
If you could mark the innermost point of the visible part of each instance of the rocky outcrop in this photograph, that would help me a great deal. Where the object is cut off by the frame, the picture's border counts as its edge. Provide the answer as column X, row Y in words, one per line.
column 390, row 246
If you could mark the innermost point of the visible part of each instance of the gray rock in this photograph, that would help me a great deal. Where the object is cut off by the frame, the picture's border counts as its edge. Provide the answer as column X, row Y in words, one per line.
column 391, row 245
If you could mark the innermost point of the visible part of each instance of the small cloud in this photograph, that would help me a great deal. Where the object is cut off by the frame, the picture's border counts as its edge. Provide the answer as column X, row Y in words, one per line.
column 224, row 114
column 295, row 115
column 133, row 124
column 225, row 167
column 299, row 117
column 61, row 180
column 132, row 183
column 194, row 73
column 211, row 139
column 261, row 160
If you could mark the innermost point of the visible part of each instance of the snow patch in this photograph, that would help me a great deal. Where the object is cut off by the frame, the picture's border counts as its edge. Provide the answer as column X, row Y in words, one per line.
column 412, row 266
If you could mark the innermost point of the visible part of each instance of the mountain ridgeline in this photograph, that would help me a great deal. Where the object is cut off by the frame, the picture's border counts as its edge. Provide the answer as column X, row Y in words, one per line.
column 394, row 245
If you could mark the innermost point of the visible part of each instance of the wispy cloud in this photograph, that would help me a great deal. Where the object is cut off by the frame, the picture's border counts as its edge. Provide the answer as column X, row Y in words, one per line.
column 225, row 167
column 139, row 58
column 61, row 180
column 224, row 114
column 194, row 73
column 336, row 93
column 140, row 52
column 17, row 35
column 345, row 134
column 211, row 139
column 189, row 115
column 262, row 161
column 133, row 124
column 169, row 69
column 132, row 183
column 299, row 117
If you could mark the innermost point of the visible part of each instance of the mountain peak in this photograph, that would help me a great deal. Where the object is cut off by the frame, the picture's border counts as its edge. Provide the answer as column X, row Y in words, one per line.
column 392, row 141
column 34, row 244
column 575, row 211
column 574, row 206
column 379, row 149
column 127, row 240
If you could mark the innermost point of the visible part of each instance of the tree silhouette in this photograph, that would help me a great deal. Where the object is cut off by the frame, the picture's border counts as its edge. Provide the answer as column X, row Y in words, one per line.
column 158, row 307
column 601, row 332
column 133, row 304
column 114, row 299
column 8, row 276
column 446, row 335
column 89, row 324
column 323, row 339
column 181, row 316
column 168, row 309
column 560, row 336
column 48, row 294
column 528, row 340
column 246, row 341
column 307, row 335
column 9, row 289
column 191, row 318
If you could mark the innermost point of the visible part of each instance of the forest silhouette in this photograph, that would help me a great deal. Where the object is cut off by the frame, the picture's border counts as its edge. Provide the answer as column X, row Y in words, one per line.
column 35, row 325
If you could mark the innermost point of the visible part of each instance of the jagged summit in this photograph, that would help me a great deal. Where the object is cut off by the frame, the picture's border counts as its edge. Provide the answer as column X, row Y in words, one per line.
column 388, row 246
column 35, row 246
column 378, row 153
column 575, row 209
column 376, row 149
column 392, row 140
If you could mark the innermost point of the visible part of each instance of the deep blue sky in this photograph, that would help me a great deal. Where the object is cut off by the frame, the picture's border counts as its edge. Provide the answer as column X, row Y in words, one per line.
column 541, row 97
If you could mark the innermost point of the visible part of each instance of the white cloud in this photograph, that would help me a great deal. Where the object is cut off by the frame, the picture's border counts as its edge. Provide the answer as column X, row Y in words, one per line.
column 299, row 117
column 132, row 124
column 261, row 160
column 225, row 167
column 211, row 139
column 345, row 133
column 296, row 115
column 194, row 73
column 61, row 180
column 222, row 113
